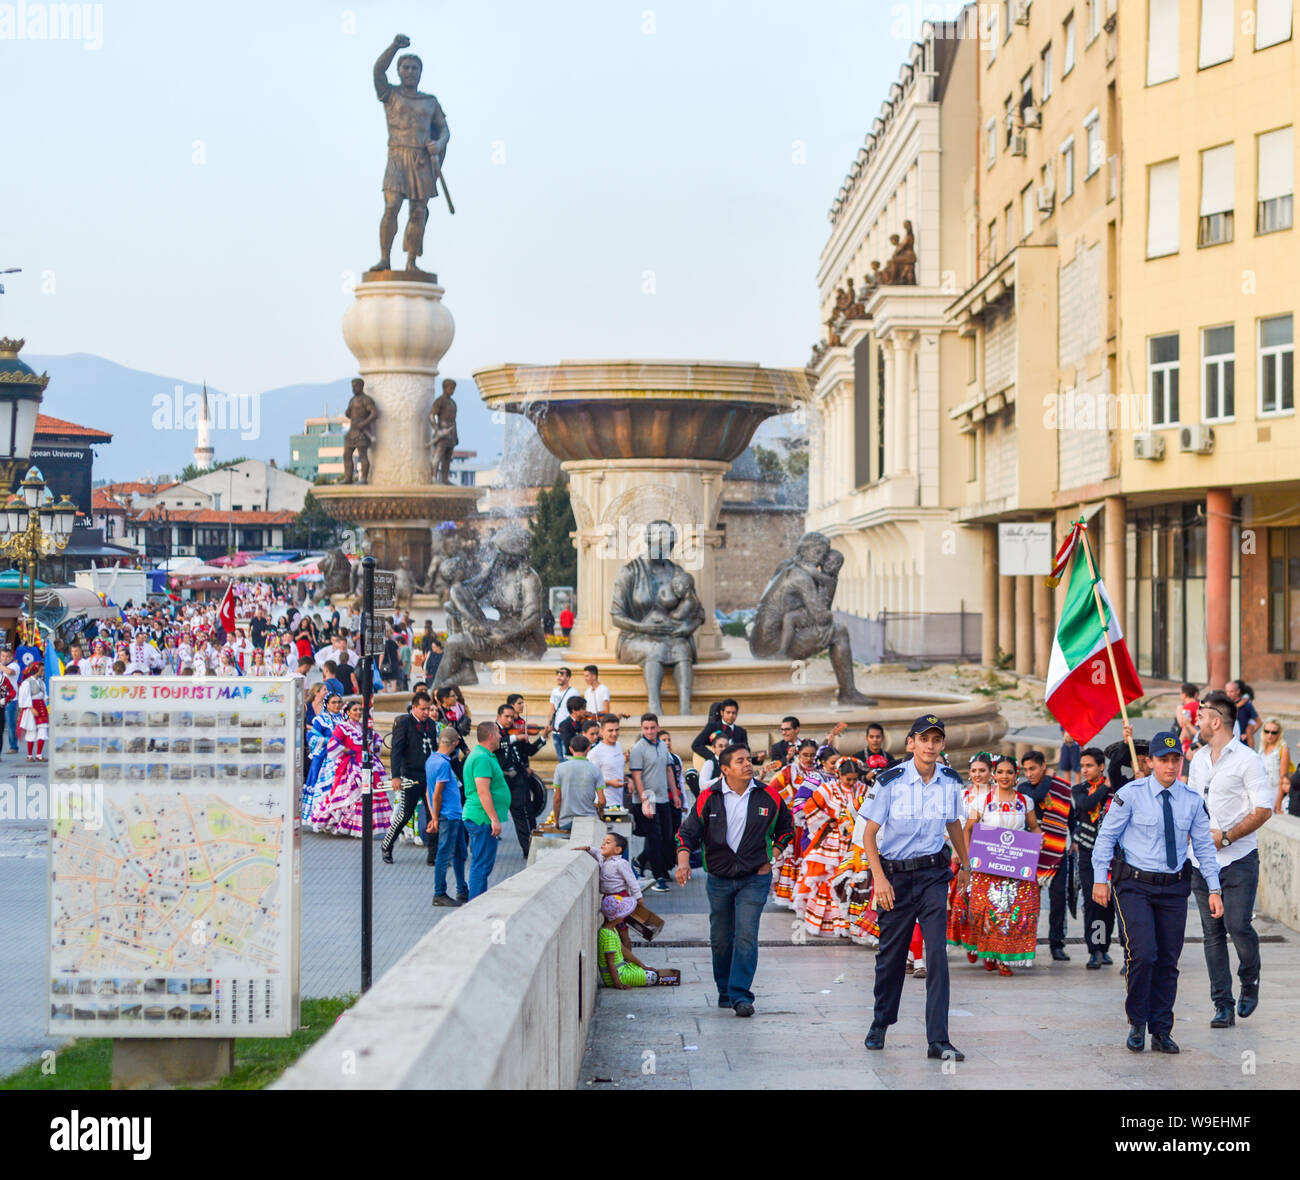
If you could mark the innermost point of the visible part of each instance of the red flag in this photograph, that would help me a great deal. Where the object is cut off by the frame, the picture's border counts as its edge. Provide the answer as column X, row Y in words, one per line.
column 226, row 612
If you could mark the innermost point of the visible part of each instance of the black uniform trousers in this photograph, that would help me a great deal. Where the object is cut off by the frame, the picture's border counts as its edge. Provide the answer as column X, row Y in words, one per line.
column 521, row 810
column 1056, row 905
column 920, row 896
column 1152, row 922
column 408, row 802
column 1098, row 920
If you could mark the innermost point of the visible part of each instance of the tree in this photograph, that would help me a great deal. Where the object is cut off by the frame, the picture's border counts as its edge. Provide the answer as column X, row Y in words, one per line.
column 769, row 464
column 551, row 551
column 312, row 528
column 193, row 471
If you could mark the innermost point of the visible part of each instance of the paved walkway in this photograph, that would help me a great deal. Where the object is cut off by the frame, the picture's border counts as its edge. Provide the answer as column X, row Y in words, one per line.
column 1054, row 1025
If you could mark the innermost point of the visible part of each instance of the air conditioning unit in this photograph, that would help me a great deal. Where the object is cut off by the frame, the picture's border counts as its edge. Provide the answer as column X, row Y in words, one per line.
column 1022, row 12
column 1032, row 115
column 1197, row 439
column 1020, row 145
column 1046, row 198
column 1148, row 446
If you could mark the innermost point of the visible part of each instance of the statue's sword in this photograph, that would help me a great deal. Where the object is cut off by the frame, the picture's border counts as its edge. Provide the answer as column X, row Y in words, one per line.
column 437, row 172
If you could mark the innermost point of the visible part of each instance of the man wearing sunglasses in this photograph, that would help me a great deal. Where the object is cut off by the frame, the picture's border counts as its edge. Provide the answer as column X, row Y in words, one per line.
column 1234, row 783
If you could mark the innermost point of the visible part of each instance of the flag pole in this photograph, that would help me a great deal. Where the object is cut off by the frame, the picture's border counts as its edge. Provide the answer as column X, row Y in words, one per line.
column 1110, row 651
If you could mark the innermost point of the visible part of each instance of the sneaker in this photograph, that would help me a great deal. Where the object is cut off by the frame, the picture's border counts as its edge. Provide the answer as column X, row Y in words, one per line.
column 462, row 899
column 387, row 857
column 744, row 1009
column 443, row 900
column 660, row 886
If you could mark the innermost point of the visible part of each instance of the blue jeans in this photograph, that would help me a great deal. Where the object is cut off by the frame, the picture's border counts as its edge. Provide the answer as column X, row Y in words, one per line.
column 558, row 743
column 735, row 904
column 482, row 856
column 453, row 844
column 11, row 724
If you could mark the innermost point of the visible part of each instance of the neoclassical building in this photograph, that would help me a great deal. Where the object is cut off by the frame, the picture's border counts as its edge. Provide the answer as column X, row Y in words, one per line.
column 889, row 369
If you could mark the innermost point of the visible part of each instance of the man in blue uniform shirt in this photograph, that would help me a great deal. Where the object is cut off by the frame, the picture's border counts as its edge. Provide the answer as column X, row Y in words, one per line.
column 1152, row 820
column 901, row 828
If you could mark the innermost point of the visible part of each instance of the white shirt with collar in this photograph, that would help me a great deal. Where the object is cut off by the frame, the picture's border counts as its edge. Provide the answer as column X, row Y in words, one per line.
column 737, row 808
column 1233, row 787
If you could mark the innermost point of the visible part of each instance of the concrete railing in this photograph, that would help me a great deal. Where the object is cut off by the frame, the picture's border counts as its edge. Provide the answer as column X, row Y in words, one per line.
column 1279, row 870
column 498, row 995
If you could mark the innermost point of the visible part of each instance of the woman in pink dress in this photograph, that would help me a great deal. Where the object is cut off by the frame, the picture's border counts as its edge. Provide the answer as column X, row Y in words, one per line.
column 338, row 809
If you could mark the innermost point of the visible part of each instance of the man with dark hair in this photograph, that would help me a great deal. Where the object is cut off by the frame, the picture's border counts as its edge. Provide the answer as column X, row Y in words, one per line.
column 1054, row 806
column 513, row 752
column 728, row 711
column 874, row 756
column 654, row 782
column 415, row 737
column 487, row 799
column 576, row 714
column 1091, row 798
column 783, row 751
column 737, row 825
column 579, row 787
column 1239, row 694
column 561, row 695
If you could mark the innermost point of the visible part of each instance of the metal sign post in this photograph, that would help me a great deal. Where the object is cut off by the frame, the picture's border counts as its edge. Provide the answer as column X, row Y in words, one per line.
column 367, row 773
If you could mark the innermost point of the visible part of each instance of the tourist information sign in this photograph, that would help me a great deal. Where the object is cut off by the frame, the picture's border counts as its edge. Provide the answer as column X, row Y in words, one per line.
column 175, row 856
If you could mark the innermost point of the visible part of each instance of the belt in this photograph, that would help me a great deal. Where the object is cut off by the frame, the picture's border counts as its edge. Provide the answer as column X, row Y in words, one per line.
column 1124, row 872
column 916, row 864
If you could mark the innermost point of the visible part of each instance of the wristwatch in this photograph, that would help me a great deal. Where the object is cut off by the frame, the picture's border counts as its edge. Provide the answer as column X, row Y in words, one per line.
column 1226, row 841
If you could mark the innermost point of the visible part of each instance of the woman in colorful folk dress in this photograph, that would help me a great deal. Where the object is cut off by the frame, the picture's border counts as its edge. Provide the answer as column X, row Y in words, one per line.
column 787, row 780
column 829, row 815
column 981, row 776
column 257, row 664
column 338, row 810
column 318, row 736
column 1003, row 911
column 33, row 712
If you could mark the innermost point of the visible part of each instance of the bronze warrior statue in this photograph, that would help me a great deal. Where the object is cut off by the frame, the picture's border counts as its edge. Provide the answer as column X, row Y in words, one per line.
column 362, row 413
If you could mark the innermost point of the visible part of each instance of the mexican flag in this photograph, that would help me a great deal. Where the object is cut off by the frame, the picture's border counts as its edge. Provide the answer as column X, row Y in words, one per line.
column 1081, row 690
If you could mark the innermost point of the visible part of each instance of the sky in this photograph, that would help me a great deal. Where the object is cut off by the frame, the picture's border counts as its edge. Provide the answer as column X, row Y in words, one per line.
column 193, row 189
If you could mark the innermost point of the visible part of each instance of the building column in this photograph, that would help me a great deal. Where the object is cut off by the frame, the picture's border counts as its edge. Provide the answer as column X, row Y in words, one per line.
column 1024, row 625
column 904, row 399
column 1043, row 626
column 1218, row 585
column 1006, row 614
column 1114, row 561
column 989, row 615
column 891, row 410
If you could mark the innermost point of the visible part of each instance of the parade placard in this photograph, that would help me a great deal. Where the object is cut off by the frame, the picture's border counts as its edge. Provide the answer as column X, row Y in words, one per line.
column 1001, row 852
column 175, row 856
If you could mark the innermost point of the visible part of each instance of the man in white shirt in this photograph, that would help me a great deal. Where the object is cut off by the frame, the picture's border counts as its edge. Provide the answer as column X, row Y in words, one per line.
column 1234, row 783
column 607, row 756
column 596, row 694
column 339, row 652
column 561, row 694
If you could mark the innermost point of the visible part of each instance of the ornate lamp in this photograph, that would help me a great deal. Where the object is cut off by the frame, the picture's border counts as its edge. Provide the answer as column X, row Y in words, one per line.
column 21, row 389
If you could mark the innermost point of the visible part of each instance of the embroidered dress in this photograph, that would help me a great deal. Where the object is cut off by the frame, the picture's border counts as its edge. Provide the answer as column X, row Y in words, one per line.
column 958, row 899
column 785, row 871
column 318, row 736
column 1003, row 912
column 828, row 822
column 338, row 810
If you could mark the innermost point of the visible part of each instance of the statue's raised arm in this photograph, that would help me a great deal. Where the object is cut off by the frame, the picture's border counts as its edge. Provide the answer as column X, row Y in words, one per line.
column 382, row 85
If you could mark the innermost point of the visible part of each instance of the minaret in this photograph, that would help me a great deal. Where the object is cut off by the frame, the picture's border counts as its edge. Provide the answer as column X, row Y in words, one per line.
column 203, row 453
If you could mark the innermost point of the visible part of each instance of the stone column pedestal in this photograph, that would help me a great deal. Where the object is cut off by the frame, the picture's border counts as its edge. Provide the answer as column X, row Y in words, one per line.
column 613, row 501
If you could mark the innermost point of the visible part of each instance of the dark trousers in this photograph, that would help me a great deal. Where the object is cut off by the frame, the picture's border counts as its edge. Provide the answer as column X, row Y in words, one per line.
column 1152, row 922
column 1056, row 904
column 735, row 906
column 521, row 811
column 1098, row 920
column 1239, row 881
column 919, row 897
column 659, row 841
column 412, row 793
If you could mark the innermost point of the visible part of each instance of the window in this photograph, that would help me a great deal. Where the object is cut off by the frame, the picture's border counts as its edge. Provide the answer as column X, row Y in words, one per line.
column 1162, row 41
column 1162, row 209
column 1047, row 72
column 1026, row 95
column 1009, row 224
column 1094, row 20
column 972, row 457
column 1067, row 57
column 1048, row 190
column 1217, row 30
column 1272, row 22
column 1274, row 209
column 1162, row 379
column 1277, row 365
column 1096, row 149
column 1284, row 589
column 1026, row 211
column 1218, row 366
column 1067, row 169
column 993, row 242
column 991, row 34
column 991, row 137
column 1007, row 21
column 1216, row 196
column 1008, row 118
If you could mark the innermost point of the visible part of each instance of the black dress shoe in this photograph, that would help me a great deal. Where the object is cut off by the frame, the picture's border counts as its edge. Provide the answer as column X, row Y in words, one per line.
column 875, row 1036
column 1247, row 1004
column 1224, row 1017
column 1107, row 960
column 1137, row 1037
column 1164, row 1043
column 744, row 1009
column 1059, row 955
column 1094, row 961
column 387, row 857
column 945, row 1050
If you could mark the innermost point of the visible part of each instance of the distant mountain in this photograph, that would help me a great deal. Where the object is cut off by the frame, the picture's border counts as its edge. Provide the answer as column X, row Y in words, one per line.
column 153, row 431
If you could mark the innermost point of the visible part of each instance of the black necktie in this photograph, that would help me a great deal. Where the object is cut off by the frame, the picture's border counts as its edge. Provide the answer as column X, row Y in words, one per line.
column 1171, row 852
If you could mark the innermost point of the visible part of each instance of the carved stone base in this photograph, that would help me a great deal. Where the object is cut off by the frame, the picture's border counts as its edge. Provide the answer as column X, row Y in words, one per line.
column 399, row 276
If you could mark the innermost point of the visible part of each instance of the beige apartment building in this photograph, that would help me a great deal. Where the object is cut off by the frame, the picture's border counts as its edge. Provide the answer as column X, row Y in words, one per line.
column 1210, row 282
column 884, row 471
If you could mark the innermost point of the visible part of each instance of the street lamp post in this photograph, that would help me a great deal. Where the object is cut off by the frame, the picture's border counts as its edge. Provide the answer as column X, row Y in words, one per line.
column 33, row 526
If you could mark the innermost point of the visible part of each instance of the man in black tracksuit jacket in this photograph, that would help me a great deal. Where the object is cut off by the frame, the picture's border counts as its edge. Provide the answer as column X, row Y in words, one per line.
column 415, row 737
column 738, row 825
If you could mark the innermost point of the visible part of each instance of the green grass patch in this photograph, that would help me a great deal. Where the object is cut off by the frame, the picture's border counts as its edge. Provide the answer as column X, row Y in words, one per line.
column 88, row 1064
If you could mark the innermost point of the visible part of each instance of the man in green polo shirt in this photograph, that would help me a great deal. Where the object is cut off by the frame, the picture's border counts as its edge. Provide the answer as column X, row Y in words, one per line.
column 487, row 799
